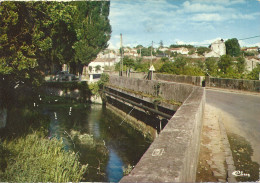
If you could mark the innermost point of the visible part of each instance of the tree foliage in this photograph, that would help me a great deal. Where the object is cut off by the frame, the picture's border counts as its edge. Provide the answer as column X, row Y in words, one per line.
column 201, row 50
column 225, row 63
column 241, row 65
column 146, row 51
column 179, row 46
column 233, row 47
column 211, row 66
column 92, row 29
column 182, row 66
column 36, row 35
column 254, row 74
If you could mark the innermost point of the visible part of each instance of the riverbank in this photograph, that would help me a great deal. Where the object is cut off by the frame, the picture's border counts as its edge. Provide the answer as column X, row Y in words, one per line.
column 145, row 130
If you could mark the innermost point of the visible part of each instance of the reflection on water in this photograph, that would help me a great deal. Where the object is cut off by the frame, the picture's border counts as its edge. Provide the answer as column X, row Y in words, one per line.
column 114, row 167
column 125, row 145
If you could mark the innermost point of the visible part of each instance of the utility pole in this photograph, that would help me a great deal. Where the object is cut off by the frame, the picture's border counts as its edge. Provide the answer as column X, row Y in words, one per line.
column 151, row 55
column 121, row 61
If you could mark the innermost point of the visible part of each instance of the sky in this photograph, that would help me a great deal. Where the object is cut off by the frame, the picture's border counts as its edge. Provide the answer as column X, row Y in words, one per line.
column 195, row 22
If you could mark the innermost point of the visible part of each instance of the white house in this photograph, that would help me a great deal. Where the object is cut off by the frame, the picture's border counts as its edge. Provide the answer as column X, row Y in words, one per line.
column 107, row 54
column 250, row 49
column 218, row 48
column 102, row 62
column 251, row 63
column 131, row 53
column 163, row 49
column 181, row 50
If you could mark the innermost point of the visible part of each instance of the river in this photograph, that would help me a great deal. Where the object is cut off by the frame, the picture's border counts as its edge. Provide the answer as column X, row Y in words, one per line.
column 125, row 146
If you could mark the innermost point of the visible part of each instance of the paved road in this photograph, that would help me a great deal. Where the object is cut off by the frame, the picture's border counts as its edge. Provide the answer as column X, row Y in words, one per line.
column 244, row 109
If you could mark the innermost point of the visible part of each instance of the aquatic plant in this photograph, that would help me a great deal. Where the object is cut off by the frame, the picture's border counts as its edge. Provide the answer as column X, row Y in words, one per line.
column 127, row 170
column 33, row 158
column 92, row 151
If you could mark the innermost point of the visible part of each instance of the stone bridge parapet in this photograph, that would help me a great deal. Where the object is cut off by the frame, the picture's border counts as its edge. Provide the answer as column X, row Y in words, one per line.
column 173, row 156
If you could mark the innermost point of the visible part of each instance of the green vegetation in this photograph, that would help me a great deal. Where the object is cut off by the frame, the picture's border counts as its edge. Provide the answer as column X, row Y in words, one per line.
column 127, row 170
column 90, row 149
column 129, row 63
column 35, row 36
column 98, row 68
column 179, row 46
column 233, row 47
column 33, row 158
column 182, row 66
column 242, row 152
column 224, row 67
column 211, row 65
column 145, row 51
column 254, row 74
column 202, row 50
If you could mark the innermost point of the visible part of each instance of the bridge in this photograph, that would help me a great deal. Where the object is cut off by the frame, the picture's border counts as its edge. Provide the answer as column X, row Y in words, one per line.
column 177, row 117
column 171, row 109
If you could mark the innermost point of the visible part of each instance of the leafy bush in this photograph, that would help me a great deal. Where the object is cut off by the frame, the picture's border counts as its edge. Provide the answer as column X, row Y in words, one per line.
column 254, row 74
column 35, row 159
column 104, row 78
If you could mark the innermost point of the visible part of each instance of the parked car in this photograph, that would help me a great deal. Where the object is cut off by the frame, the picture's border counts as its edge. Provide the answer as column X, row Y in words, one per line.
column 64, row 76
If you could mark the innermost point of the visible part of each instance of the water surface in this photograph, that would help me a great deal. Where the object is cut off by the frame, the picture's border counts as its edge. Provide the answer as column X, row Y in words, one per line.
column 125, row 145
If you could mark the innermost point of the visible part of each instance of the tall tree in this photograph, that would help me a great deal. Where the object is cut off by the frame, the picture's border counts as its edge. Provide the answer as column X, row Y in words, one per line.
column 233, row 47
column 26, row 37
column 36, row 34
column 92, row 29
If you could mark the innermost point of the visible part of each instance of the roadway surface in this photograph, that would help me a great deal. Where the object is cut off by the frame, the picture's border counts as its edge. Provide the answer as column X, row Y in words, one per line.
column 241, row 111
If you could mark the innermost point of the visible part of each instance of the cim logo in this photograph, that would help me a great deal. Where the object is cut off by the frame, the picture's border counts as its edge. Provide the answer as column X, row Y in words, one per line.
column 238, row 173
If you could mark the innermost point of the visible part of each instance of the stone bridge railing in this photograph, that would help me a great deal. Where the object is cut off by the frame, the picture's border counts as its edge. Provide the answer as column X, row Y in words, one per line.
column 235, row 84
column 173, row 156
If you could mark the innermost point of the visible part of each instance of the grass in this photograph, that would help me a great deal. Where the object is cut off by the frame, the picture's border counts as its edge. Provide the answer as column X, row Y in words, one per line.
column 33, row 158
column 242, row 152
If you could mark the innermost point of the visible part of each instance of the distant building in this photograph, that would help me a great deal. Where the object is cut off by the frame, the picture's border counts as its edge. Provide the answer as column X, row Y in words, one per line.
column 218, row 48
column 107, row 54
column 163, row 49
column 251, row 63
column 250, row 49
column 131, row 53
column 181, row 50
column 102, row 62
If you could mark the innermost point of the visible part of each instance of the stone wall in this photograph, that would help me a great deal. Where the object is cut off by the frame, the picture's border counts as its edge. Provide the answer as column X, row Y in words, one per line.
column 236, row 84
column 170, row 91
column 195, row 80
column 173, row 156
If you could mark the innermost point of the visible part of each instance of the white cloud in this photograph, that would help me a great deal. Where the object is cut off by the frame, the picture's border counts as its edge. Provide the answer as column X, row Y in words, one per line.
column 225, row 2
column 196, row 43
column 207, row 17
column 141, row 21
column 202, row 7
column 246, row 44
